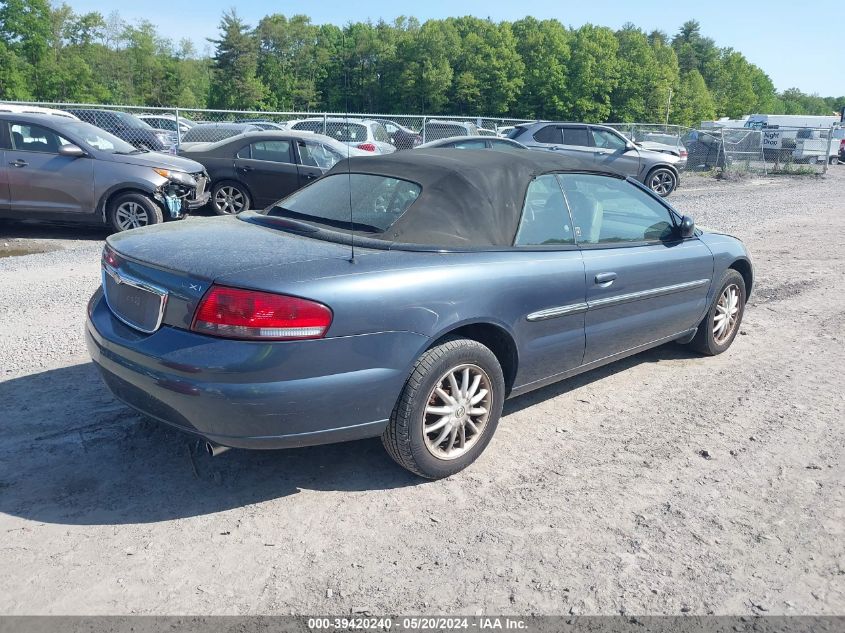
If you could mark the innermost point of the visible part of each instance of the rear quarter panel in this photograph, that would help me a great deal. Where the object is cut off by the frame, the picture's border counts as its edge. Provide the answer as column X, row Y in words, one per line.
column 432, row 294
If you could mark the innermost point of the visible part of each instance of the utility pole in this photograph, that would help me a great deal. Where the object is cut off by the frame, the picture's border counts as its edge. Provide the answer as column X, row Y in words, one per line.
column 668, row 103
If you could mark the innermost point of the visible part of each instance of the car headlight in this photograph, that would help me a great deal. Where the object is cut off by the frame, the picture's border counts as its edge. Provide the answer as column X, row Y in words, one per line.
column 179, row 177
column 164, row 138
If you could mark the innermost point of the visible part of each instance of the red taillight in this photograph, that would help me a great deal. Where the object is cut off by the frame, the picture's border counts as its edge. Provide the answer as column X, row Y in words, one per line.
column 110, row 257
column 367, row 147
column 684, row 153
column 249, row 314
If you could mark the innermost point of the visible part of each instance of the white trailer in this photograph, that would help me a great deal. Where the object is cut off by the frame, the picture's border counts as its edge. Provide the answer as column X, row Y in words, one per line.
column 768, row 121
column 815, row 146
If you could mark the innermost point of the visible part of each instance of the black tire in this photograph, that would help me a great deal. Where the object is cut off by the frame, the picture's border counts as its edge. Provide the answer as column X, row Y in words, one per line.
column 126, row 206
column 404, row 437
column 662, row 181
column 232, row 194
column 834, row 160
column 705, row 340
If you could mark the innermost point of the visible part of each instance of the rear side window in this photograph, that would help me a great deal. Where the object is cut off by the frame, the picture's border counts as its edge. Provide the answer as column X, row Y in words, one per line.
column 549, row 134
column 501, row 146
column 376, row 201
column 545, row 218
column 272, row 151
column 89, row 116
column 318, row 155
column 164, row 124
column 346, row 132
column 576, row 136
column 434, row 131
column 469, row 145
column 380, row 134
column 309, row 126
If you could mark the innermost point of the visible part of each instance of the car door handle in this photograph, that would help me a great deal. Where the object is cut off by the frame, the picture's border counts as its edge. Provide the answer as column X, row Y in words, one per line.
column 310, row 176
column 18, row 163
column 246, row 168
column 605, row 279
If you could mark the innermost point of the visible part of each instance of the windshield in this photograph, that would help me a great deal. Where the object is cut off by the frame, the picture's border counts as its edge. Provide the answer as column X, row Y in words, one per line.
column 212, row 133
column 98, row 138
column 347, row 132
column 127, row 120
column 376, row 202
column 516, row 131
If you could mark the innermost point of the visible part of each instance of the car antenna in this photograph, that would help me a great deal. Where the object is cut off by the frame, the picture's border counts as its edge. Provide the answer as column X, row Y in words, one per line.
column 348, row 136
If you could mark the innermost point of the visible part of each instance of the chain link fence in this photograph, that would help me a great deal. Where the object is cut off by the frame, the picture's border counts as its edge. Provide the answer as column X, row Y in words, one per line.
column 169, row 129
column 743, row 150
column 728, row 150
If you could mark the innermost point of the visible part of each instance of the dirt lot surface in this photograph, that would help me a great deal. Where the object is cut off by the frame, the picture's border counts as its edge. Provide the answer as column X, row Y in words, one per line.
column 666, row 483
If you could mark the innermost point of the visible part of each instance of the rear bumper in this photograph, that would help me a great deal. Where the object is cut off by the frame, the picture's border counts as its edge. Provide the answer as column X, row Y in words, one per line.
column 253, row 395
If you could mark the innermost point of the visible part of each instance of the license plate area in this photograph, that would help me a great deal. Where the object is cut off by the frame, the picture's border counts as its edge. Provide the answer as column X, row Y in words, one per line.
column 137, row 303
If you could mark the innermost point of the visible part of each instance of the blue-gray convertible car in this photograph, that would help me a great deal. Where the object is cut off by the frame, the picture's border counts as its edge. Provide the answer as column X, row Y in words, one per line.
column 405, row 296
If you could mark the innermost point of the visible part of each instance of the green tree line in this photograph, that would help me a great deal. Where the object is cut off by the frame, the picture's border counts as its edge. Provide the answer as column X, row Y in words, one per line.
column 528, row 68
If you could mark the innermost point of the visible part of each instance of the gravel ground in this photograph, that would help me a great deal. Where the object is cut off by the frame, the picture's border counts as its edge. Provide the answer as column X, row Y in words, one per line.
column 667, row 483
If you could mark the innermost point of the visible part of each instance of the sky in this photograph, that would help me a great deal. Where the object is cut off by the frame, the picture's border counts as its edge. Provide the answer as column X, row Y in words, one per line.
column 797, row 45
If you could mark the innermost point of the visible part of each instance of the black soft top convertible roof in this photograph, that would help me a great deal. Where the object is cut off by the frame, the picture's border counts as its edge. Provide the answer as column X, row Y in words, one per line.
column 469, row 198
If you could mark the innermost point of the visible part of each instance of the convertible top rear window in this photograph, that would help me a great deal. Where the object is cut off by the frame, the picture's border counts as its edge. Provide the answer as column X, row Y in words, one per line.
column 376, row 201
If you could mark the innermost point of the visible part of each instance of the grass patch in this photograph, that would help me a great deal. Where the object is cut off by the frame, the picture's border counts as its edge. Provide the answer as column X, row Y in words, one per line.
column 794, row 170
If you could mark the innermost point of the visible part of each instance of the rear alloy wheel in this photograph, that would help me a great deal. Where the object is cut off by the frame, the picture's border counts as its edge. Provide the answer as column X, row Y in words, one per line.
column 834, row 160
column 133, row 211
column 229, row 198
column 448, row 411
column 662, row 181
column 721, row 324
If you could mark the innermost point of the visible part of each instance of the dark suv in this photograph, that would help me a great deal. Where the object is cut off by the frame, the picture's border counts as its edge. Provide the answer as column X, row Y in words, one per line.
column 435, row 129
column 129, row 128
column 52, row 168
column 606, row 148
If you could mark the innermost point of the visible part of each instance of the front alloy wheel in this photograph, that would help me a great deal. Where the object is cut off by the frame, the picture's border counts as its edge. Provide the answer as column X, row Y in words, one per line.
column 131, row 215
column 720, row 325
column 132, row 211
column 727, row 314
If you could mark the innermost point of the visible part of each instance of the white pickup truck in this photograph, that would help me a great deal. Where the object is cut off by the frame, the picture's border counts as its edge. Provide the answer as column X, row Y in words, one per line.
column 815, row 145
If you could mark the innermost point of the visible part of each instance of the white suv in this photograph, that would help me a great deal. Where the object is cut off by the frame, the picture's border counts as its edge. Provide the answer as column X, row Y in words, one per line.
column 364, row 134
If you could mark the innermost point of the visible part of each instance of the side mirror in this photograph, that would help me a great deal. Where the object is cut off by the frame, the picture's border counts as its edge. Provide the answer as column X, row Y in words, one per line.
column 74, row 151
column 629, row 146
column 687, row 227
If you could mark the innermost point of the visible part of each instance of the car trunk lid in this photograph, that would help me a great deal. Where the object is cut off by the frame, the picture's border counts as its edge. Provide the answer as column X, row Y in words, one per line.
column 157, row 275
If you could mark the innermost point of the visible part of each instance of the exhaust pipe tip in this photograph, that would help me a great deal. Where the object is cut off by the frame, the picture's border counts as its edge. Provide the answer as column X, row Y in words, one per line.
column 215, row 449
